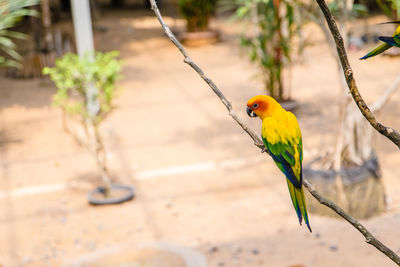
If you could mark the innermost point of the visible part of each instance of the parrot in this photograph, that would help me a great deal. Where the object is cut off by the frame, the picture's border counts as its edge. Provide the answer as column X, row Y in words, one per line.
column 389, row 42
column 281, row 136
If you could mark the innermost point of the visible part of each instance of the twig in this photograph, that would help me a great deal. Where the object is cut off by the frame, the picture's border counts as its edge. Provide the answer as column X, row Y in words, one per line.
column 390, row 133
column 190, row 62
column 370, row 239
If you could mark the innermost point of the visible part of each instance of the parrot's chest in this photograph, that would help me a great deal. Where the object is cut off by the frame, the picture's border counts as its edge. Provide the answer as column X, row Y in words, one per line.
column 273, row 131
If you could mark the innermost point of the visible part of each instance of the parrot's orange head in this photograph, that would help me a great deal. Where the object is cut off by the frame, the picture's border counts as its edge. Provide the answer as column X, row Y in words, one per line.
column 261, row 106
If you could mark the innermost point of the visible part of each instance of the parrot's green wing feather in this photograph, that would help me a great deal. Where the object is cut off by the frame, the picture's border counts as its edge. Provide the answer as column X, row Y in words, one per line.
column 283, row 153
column 282, row 149
column 396, row 38
column 284, row 144
column 300, row 148
column 377, row 50
column 282, row 138
column 389, row 40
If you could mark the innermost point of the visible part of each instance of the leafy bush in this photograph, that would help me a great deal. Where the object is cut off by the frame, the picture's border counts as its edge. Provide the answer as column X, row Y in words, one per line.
column 73, row 76
column 11, row 12
column 84, row 83
column 269, row 38
column 391, row 8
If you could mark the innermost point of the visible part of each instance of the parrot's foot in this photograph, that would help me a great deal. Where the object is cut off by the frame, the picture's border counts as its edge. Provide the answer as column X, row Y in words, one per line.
column 264, row 150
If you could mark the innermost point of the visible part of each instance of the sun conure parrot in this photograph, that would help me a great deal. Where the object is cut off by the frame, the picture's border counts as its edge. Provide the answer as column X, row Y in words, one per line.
column 282, row 139
column 388, row 42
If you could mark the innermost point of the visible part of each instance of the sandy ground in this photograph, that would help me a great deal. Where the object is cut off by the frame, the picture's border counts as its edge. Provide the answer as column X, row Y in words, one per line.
column 200, row 182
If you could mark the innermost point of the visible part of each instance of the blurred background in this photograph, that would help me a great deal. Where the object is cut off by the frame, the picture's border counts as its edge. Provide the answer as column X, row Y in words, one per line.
column 113, row 152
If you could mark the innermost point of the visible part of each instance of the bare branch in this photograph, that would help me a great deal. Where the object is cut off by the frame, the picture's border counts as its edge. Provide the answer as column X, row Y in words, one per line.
column 190, row 62
column 370, row 239
column 390, row 133
column 378, row 105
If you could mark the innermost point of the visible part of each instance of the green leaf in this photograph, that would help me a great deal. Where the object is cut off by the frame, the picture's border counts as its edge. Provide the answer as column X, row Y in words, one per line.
column 72, row 75
column 11, row 12
column 13, row 34
column 242, row 12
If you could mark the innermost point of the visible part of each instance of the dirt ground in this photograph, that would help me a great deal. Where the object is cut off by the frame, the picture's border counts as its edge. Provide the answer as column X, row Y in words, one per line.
column 200, row 182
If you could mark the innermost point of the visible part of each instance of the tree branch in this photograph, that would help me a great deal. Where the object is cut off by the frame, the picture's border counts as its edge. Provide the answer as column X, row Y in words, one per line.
column 390, row 133
column 370, row 239
column 378, row 105
column 191, row 63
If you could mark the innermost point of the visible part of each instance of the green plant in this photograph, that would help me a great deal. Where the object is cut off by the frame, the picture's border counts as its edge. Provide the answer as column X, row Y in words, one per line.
column 391, row 8
column 197, row 13
column 73, row 76
column 269, row 38
column 11, row 12
column 84, row 83
column 356, row 9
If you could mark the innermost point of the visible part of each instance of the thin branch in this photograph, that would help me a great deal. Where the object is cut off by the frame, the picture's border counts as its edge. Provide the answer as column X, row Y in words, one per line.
column 378, row 105
column 370, row 239
column 190, row 62
column 390, row 133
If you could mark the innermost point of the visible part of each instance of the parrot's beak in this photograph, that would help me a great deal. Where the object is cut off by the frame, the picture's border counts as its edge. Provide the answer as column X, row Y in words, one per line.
column 250, row 112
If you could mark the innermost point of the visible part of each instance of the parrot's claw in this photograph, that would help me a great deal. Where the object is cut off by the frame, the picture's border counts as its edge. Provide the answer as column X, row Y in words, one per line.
column 264, row 150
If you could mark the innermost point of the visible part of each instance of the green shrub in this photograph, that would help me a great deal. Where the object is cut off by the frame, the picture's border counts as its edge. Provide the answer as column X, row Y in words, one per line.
column 11, row 12
column 268, row 38
column 73, row 76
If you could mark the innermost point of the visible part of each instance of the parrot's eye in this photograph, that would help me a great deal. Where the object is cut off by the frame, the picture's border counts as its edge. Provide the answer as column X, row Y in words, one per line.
column 255, row 105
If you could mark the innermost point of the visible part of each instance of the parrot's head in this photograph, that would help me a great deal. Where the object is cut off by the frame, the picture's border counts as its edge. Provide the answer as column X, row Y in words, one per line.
column 261, row 106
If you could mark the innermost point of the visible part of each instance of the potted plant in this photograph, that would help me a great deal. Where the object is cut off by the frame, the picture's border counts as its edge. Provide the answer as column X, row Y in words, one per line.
column 86, row 90
column 197, row 14
column 269, row 32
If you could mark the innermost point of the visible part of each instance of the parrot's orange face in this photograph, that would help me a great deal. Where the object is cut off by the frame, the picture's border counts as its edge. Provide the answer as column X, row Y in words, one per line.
column 261, row 106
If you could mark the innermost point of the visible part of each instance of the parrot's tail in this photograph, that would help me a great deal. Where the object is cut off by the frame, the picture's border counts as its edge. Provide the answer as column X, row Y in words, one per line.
column 299, row 203
column 377, row 51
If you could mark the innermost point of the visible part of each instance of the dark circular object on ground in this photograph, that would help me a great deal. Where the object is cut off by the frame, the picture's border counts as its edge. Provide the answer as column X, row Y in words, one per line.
column 118, row 194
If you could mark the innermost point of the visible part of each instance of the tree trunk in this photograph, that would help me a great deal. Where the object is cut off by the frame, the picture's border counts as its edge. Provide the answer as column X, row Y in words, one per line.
column 36, row 29
column 46, row 19
column 101, row 158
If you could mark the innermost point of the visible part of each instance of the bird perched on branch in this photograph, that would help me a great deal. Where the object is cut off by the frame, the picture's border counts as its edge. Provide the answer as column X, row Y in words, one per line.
column 282, row 139
column 389, row 41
